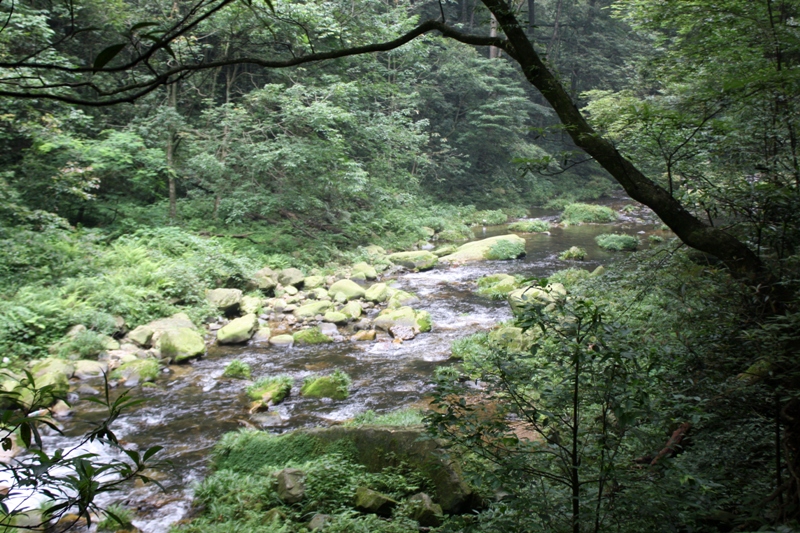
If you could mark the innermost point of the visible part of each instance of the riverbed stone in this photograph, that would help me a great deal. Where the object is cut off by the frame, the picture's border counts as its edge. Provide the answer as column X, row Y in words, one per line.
column 373, row 502
column 319, row 294
column 265, row 279
column 226, row 300
column 262, row 334
column 400, row 298
column 181, row 344
column 291, row 277
column 250, row 304
column 329, row 329
column 352, row 309
column 52, row 365
column 379, row 292
column 403, row 333
column 364, row 335
column 335, row 317
column 367, row 269
column 350, row 289
column 88, row 369
column 358, row 276
column 312, row 309
column 141, row 335
column 416, row 260
column 138, row 371
column 314, row 282
column 284, row 341
column 447, row 249
column 290, row 485
column 323, row 387
column 420, row 321
column 310, row 336
column 239, row 330
column 480, row 250
column 319, row 521
column 541, row 297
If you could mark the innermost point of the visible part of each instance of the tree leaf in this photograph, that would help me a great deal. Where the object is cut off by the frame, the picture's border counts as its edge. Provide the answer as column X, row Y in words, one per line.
column 107, row 55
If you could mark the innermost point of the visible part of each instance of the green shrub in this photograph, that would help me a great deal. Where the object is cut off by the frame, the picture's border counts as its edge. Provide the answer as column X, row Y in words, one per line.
column 401, row 417
column 530, row 226
column 237, row 369
column 569, row 276
column 487, row 218
column 505, row 249
column 575, row 253
column 587, row 213
column 117, row 518
column 616, row 241
column 86, row 344
column 655, row 239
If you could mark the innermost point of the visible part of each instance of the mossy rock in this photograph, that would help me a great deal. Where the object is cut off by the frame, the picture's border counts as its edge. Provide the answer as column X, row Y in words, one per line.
column 181, row 344
column 284, row 341
column 373, row 502
column 377, row 293
column 447, row 249
column 349, row 289
column 89, row 369
column 335, row 317
column 291, row 277
column 488, row 249
column 265, row 279
column 250, row 304
column 310, row 336
column 420, row 321
column 353, row 310
column 419, row 260
column 400, row 298
column 239, row 330
column 226, row 300
column 335, row 386
column 138, row 371
column 142, row 336
column 313, row 282
column 536, row 296
column 497, row 285
column 366, row 269
column 272, row 389
column 52, row 365
column 513, row 339
column 312, row 309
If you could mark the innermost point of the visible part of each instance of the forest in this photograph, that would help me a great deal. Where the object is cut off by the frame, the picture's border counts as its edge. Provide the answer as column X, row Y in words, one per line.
column 281, row 266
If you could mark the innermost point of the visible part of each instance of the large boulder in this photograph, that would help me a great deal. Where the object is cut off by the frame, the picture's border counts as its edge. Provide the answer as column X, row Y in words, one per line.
column 500, row 247
column 419, row 321
column 138, row 371
column 52, row 365
column 88, row 369
column 291, row 277
column 181, row 344
column 142, row 336
column 251, row 304
column 238, row 330
column 420, row 260
column 226, row 300
column 310, row 310
column 353, row 310
column 366, row 269
column 401, row 298
column 349, row 289
column 313, row 282
column 422, row 509
column 265, row 279
column 290, row 485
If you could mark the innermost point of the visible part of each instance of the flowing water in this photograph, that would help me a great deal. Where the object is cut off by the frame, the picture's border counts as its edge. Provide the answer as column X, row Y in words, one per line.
column 190, row 407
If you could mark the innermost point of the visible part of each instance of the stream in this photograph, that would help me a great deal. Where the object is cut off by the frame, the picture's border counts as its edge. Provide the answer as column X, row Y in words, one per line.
column 190, row 407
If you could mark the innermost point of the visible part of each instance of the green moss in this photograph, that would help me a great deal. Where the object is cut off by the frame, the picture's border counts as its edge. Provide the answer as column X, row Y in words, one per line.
column 530, row 226
column 147, row 370
column 273, row 388
column 617, row 242
column 310, row 336
column 587, row 213
column 335, row 386
column 237, row 369
column 569, row 276
column 497, row 286
column 401, row 418
column 575, row 253
column 506, row 249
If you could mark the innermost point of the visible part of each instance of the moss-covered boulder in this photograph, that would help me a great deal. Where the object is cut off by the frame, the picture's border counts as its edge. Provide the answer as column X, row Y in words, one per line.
column 282, row 341
column 138, row 371
column 312, row 309
column 335, row 386
column 352, row 310
column 373, row 502
column 238, row 330
column 290, row 485
column 273, row 389
column 513, row 339
column 400, row 298
column 142, row 336
column 418, row 260
column 310, row 336
column 291, row 277
column 335, row 317
column 501, row 247
column 420, row 321
column 262, row 334
column 265, row 279
column 89, row 369
column 226, row 300
column 178, row 320
column 422, row 509
column 379, row 292
column 181, row 344
column 313, row 282
column 536, row 296
column 52, row 365
column 349, row 289
column 251, row 304
column 366, row 269
column 319, row 294
column 447, row 249
column 497, row 285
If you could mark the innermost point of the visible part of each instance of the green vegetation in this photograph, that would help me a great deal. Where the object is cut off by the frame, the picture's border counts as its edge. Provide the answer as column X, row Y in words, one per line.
column 237, row 369
column 505, row 249
column 497, row 286
column 617, row 242
column 335, row 386
column 530, row 226
column 587, row 213
column 272, row 389
column 575, row 253
column 401, row 417
column 117, row 517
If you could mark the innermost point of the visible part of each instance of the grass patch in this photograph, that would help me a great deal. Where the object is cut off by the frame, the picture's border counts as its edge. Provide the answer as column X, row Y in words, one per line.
column 530, row 226
column 617, row 242
column 587, row 213
column 575, row 253
column 117, row 518
column 401, row 417
column 504, row 250
column 237, row 369
column 272, row 388
column 487, row 218
column 473, row 346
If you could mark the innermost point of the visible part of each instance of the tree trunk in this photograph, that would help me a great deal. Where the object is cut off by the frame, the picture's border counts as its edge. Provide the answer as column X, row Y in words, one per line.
column 493, row 50
column 742, row 261
column 172, row 98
